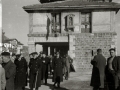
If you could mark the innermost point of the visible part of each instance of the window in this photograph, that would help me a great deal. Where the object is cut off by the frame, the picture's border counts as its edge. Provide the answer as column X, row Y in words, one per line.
column 69, row 22
column 85, row 22
column 56, row 23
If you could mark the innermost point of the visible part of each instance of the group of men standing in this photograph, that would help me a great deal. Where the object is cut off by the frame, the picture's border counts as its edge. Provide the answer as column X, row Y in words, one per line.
column 14, row 70
column 106, row 76
column 40, row 65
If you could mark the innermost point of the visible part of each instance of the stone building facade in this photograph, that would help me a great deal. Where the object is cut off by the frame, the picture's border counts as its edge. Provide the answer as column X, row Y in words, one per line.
column 75, row 27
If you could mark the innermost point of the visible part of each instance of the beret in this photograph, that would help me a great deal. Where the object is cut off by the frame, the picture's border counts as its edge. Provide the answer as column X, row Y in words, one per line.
column 34, row 53
column 18, row 55
column 5, row 53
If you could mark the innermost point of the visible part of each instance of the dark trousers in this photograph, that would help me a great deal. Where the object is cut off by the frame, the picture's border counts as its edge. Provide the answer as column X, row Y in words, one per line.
column 33, row 81
column 57, row 80
column 112, row 80
column 44, row 76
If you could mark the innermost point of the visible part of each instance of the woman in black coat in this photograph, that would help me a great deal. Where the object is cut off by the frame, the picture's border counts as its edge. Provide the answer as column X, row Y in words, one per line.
column 21, row 73
column 57, row 70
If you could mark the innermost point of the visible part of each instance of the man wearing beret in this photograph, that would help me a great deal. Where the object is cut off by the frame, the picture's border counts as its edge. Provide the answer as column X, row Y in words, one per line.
column 10, row 70
column 35, row 72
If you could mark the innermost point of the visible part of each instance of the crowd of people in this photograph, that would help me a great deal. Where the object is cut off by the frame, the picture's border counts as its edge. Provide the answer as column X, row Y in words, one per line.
column 106, row 73
column 14, row 70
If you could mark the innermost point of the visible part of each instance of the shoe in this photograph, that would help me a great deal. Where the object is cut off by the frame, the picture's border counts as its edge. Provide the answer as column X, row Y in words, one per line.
column 58, row 85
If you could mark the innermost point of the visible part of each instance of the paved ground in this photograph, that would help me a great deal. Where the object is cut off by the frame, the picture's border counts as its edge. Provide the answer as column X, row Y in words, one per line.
column 77, row 81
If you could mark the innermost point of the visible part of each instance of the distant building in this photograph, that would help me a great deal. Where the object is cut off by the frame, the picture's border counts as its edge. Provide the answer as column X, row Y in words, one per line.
column 77, row 27
column 11, row 45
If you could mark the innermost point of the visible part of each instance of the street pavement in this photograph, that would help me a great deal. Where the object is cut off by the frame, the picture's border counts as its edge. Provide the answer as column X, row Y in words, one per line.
column 77, row 81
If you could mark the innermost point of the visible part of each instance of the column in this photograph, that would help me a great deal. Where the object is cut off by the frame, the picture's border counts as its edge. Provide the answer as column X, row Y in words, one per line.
column 48, row 50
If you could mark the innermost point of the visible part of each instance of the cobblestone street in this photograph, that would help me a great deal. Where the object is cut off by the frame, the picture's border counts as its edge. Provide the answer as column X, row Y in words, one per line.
column 76, row 81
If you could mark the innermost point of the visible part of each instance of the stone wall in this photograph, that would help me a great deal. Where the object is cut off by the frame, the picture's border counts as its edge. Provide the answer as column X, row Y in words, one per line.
column 82, row 45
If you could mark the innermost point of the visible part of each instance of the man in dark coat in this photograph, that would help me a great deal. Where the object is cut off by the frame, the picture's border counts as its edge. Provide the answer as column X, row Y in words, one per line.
column 35, row 72
column 21, row 73
column 57, row 70
column 44, row 69
column 97, row 79
column 10, row 70
column 113, row 71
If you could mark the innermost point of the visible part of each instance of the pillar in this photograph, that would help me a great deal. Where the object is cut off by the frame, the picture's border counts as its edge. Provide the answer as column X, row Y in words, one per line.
column 48, row 50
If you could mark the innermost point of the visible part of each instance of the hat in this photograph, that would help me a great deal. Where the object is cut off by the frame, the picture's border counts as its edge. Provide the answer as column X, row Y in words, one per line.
column 18, row 55
column 41, row 52
column 5, row 53
column 35, row 53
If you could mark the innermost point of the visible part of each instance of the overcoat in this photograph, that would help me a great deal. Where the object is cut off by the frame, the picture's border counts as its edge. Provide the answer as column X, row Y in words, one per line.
column 116, row 68
column 44, row 68
column 2, row 78
column 57, row 65
column 35, row 73
column 98, row 71
column 10, row 71
column 21, row 72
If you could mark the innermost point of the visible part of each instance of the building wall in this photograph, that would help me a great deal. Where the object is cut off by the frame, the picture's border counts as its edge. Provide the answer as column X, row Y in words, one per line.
column 38, row 22
column 83, row 47
column 102, row 21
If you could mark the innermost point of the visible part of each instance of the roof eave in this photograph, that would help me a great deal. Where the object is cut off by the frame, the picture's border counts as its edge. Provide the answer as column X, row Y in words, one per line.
column 70, row 8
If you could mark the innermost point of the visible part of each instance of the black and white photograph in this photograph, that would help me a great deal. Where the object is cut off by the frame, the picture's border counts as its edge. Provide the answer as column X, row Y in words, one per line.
column 59, row 44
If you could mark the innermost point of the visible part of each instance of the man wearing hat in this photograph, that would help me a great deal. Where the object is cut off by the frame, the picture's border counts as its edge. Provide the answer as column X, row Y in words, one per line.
column 21, row 73
column 10, row 70
column 35, row 72
column 45, row 61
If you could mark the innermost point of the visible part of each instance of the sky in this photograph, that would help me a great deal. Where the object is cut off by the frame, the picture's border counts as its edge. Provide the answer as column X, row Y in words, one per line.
column 15, row 21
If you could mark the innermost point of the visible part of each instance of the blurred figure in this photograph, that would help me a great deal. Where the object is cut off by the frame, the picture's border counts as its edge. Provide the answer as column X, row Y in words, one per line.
column 40, row 55
column 68, row 61
column 21, row 73
column 44, row 69
column 98, row 72
column 13, row 57
column 35, row 72
column 2, row 76
column 10, row 70
column 113, row 71
column 31, row 60
column 57, row 70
